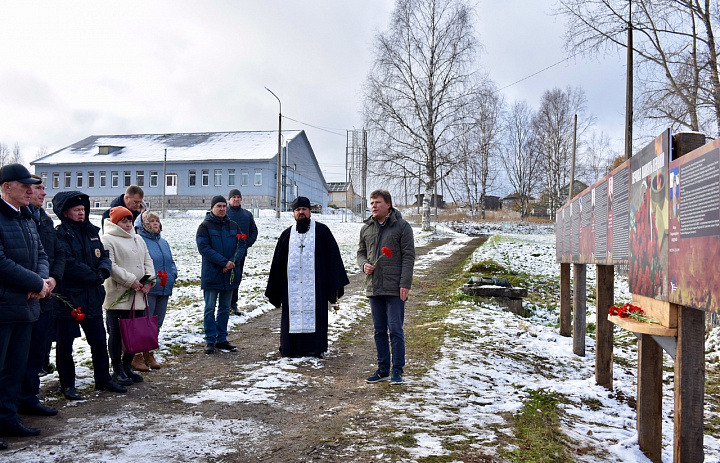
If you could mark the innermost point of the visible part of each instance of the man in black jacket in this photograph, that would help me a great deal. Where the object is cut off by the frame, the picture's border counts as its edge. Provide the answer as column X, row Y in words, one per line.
column 43, row 327
column 23, row 280
column 132, row 199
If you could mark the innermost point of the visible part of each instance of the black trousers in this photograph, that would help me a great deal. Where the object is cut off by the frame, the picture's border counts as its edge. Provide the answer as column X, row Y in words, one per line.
column 14, row 347
column 67, row 330
column 112, row 320
column 41, row 330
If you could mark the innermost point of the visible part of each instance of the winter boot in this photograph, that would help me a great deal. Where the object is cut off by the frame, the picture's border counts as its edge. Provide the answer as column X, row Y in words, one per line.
column 138, row 363
column 128, row 360
column 119, row 375
column 150, row 360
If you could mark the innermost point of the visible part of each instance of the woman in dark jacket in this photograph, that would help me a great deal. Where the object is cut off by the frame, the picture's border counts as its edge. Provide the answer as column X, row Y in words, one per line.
column 87, row 265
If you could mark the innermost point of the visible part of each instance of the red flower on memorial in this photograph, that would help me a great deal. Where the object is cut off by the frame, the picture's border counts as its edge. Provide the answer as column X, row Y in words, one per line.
column 631, row 311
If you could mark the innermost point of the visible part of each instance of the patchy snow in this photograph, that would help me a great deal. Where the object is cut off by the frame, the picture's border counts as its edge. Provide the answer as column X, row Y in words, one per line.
column 483, row 372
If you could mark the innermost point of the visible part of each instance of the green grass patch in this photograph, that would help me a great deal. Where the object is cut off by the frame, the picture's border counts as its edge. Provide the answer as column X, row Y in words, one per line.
column 537, row 431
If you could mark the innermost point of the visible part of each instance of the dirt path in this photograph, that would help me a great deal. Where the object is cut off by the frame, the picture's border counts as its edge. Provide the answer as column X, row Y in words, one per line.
column 247, row 406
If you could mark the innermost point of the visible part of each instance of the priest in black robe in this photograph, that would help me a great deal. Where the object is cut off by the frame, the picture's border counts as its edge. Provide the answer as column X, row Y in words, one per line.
column 307, row 274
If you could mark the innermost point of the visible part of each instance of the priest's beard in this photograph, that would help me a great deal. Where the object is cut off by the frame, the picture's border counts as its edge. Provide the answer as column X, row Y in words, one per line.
column 303, row 224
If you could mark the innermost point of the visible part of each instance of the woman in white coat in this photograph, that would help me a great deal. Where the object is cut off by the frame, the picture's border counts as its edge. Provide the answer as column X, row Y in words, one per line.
column 131, row 264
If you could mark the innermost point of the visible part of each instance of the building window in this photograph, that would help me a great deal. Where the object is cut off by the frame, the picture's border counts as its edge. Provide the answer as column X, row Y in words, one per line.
column 114, row 179
column 206, row 177
column 258, row 177
column 231, row 177
column 192, row 177
column 103, row 179
column 126, row 179
column 245, row 178
column 91, row 179
column 68, row 179
column 79, row 180
column 56, row 180
column 140, row 178
column 43, row 176
column 218, row 177
column 153, row 178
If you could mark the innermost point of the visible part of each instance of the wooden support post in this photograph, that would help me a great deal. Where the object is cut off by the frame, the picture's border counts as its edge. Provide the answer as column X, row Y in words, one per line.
column 565, row 307
column 604, row 330
column 689, row 386
column 649, row 398
column 579, row 308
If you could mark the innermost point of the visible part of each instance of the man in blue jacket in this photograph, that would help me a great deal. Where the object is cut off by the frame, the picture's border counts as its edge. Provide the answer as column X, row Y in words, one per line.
column 245, row 219
column 218, row 240
column 23, row 281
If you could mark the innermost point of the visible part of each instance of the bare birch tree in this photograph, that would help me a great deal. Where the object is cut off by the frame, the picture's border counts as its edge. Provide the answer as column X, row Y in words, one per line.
column 16, row 156
column 597, row 158
column 417, row 89
column 4, row 154
column 554, row 128
column 675, row 49
column 480, row 148
column 521, row 160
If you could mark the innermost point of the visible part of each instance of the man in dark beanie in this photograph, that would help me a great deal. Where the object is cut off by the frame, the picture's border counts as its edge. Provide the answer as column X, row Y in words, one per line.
column 306, row 274
column 245, row 219
column 222, row 246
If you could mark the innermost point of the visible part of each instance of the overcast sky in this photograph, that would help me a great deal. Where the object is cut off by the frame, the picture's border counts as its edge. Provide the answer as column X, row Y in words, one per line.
column 69, row 70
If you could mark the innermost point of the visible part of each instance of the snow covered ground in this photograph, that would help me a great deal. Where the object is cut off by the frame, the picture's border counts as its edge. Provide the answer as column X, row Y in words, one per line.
column 480, row 375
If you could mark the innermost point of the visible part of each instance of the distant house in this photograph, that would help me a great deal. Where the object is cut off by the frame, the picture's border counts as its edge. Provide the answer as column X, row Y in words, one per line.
column 541, row 210
column 187, row 169
column 342, row 195
column 492, row 203
column 440, row 203
column 578, row 187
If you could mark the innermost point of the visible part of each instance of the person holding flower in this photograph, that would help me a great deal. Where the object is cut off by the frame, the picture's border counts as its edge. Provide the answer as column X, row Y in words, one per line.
column 221, row 250
column 386, row 254
column 131, row 278
column 245, row 219
column 87, row 266
column 148, row 226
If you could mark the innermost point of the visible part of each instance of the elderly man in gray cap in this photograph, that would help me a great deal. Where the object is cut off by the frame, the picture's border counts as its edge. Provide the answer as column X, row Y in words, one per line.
column 24, row 280
column 307, row 273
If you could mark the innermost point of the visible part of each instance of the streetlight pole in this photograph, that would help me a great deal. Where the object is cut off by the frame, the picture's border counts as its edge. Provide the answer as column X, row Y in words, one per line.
column 279, row 162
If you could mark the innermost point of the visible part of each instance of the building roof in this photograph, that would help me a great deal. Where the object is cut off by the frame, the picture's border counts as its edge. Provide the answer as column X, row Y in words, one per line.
column 334, row 187
column 215, row 146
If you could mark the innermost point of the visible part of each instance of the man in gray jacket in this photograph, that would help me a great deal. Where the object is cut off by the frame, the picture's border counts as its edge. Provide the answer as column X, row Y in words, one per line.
column 386, row 254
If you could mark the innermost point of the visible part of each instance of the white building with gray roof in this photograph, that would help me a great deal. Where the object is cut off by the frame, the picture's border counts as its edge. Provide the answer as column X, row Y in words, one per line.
column 195, row 167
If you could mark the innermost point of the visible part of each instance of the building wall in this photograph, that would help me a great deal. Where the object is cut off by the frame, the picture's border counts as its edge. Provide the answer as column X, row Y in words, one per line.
column 255, row 179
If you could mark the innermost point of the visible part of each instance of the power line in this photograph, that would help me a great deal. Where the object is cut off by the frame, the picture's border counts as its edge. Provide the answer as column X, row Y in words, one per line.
column 535, row 73
column 316, row 127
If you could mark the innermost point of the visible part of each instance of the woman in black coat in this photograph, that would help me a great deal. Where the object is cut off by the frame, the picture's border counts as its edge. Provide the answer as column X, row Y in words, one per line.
column 87, row 265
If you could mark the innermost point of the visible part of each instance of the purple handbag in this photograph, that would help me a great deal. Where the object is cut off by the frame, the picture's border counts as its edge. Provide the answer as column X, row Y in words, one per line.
column 139, row 334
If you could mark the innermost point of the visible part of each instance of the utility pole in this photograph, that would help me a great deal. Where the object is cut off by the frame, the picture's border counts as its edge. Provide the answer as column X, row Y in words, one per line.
column 279, row 161
column 629, row 88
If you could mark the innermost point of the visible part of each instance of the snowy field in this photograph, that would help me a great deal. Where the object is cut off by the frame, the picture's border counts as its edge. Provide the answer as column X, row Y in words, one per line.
column 479, row 377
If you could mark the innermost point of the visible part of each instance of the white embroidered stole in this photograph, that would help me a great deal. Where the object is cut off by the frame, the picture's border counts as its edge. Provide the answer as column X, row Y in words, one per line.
column 301, row 280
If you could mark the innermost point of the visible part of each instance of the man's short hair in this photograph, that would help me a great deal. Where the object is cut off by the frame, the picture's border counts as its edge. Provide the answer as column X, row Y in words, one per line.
column 385, row 195
column 37, row 177
column 133, row 190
